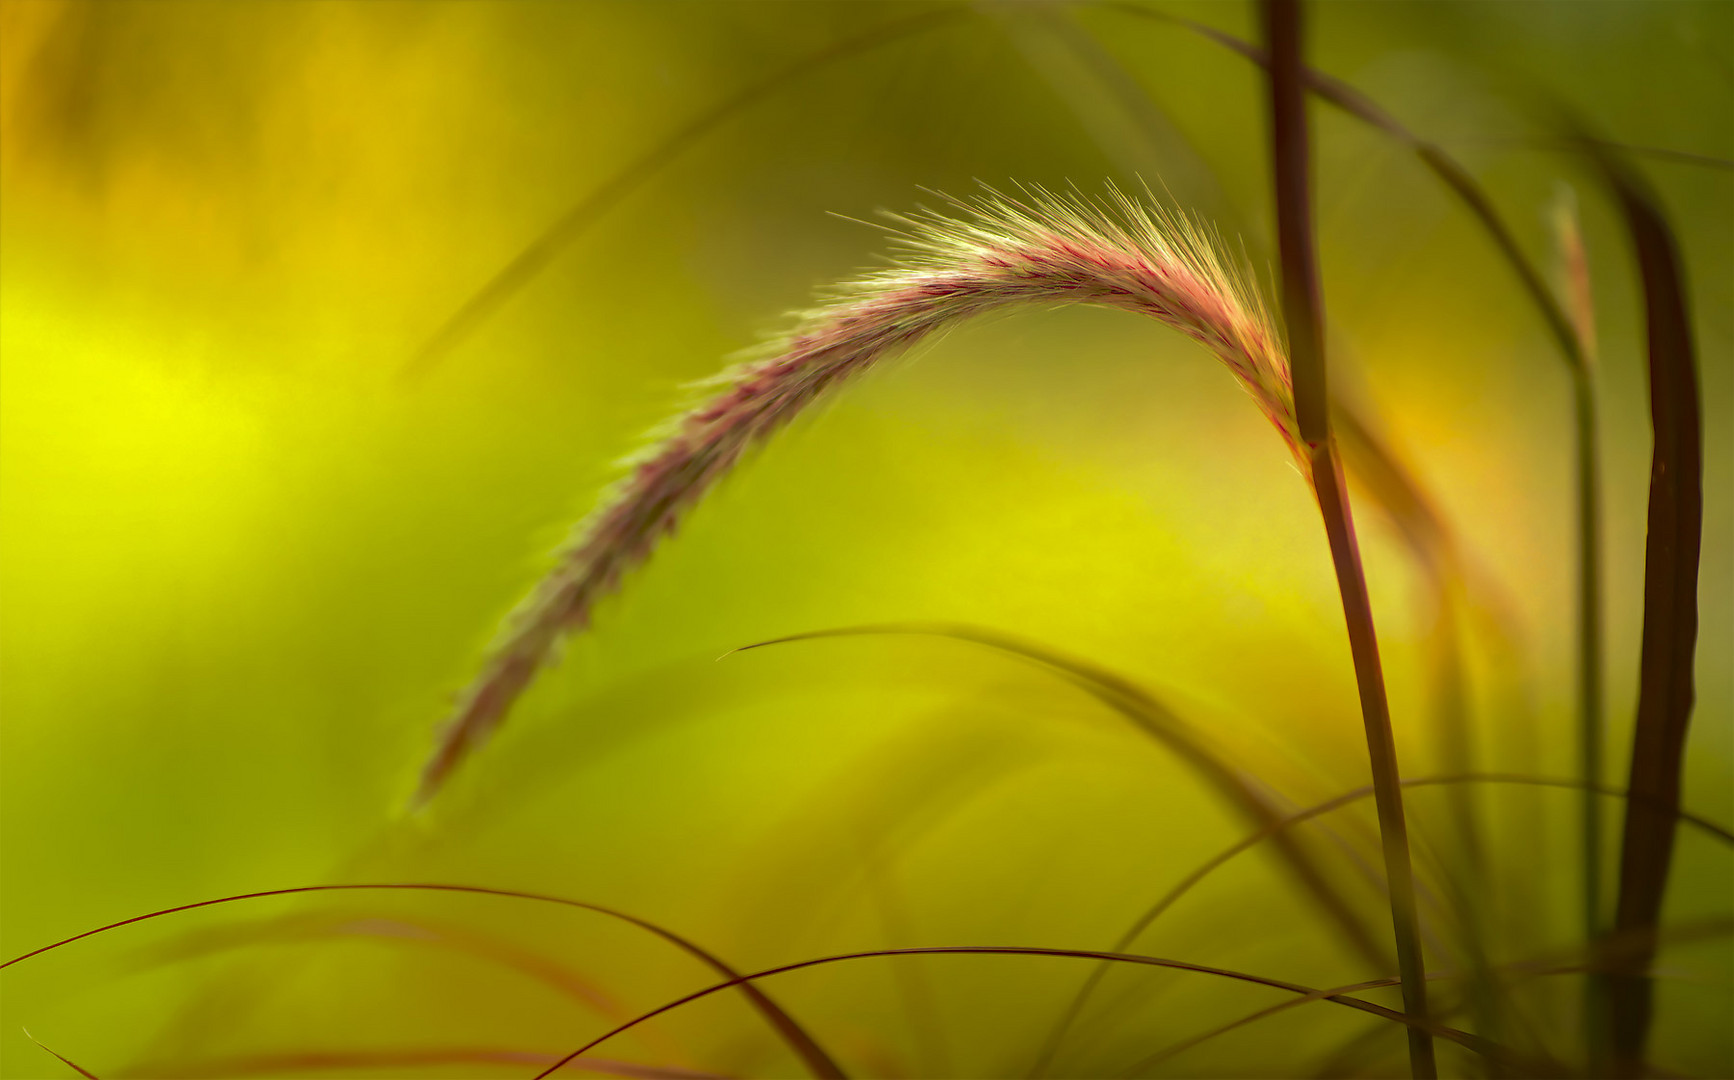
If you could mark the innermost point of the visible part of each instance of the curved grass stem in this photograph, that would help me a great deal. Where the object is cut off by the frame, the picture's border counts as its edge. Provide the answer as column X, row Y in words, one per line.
column 1488, row 1049
column 802, row 1044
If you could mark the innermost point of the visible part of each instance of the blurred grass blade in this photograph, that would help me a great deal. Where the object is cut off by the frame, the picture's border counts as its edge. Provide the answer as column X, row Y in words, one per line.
column 319, row 1060
column 1592, row 737
column 535, row 257
column 1277, row 828
column 1126, row 123
column 1303, row 314
column 1665, row 686
column 1456, row 178
column 1586, row 955
column 64, row 1060
column 809, row 1051
column 1474, row 1043
column 915, row 993
column 415, row 932
column 1241, row 791
column 1144, row 1065
column 1299, row 817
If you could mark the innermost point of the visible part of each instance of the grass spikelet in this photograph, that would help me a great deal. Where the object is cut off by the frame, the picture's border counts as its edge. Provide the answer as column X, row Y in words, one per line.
column 997, row 253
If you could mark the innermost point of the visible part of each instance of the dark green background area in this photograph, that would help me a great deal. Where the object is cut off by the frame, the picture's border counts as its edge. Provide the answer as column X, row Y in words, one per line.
column 246, row 560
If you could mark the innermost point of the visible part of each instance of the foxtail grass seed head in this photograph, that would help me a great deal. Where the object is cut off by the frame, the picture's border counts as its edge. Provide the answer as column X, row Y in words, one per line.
column 998, row 252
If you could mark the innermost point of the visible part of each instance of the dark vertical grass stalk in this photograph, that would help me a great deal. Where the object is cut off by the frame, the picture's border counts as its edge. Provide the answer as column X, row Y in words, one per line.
column 1665, row 685
column 1303, row 314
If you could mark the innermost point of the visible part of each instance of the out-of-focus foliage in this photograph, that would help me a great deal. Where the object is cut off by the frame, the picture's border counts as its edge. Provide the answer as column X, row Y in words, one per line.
column 247, row 559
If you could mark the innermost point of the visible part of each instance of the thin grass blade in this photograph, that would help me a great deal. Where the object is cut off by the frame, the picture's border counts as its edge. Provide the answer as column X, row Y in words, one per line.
column 1187, row 883
column 303, row 1061
column 1244, row 793
column 803, row 1045
column 63, row 1059
column 422, row 933
column 535, row 257
column 1484, row 1047
column 1240, row 790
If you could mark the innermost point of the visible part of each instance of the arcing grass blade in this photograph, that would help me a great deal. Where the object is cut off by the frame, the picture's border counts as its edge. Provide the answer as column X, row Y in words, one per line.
column 533, row 259
column 1107, row 100
column 809, row 1051
column 64, row 1060
column 1303, row 313
column 1450, row 172
column 1531, row 968
column 1276, row 829
column 1251, row 799
column 413, row 932
column 1474, row 1043
column 1146, row 1064
column 1042, row 249
column 319, row 1060
column 1676, row 517
column 1242, row 792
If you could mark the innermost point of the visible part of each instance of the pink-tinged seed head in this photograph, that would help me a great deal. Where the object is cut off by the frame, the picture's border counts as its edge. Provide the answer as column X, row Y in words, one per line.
column 999, row 252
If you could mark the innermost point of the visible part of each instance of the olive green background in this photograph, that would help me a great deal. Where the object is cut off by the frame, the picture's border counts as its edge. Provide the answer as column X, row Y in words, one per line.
column 249, row 555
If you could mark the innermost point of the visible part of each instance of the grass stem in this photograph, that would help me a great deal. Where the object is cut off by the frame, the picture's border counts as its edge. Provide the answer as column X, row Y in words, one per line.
column 1303, row 314
column 1574, row 350
column 1665, row 674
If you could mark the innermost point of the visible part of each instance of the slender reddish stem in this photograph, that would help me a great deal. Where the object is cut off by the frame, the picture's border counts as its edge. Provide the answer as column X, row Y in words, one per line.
column 1381, row 747
column 1304, row 314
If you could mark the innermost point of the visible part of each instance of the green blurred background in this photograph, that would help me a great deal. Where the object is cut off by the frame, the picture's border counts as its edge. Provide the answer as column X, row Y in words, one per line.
column 248, row 560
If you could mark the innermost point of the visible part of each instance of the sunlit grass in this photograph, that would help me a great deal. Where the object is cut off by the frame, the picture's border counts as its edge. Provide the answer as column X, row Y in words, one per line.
column 246, row 562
